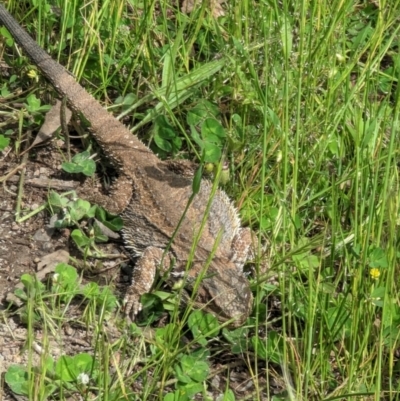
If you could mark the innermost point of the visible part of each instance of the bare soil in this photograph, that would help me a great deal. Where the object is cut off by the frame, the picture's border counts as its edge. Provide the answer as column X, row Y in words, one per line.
column 24, row 246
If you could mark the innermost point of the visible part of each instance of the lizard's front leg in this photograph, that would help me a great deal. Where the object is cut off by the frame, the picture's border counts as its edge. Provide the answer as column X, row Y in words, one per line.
column 143, row 277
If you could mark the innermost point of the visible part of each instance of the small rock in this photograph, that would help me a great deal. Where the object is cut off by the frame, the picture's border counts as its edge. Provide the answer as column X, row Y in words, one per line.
column 47, row 246
column 43, row 234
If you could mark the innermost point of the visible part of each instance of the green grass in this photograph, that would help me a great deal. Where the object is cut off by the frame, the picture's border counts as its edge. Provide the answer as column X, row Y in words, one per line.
column 307, row 95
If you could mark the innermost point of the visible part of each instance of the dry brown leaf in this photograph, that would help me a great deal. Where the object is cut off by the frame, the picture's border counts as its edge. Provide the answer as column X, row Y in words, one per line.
column 51, row 124
column 50, row 261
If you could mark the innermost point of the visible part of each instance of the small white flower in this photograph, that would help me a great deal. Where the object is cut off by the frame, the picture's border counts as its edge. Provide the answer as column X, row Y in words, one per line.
column 83, row 378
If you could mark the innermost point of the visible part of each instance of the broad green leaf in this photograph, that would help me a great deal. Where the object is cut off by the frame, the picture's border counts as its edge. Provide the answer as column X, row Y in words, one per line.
column 17, row 378
column 80, row 238
column 9, row 38
column 212, row 153
column 79, row 209
column 203, row 323
column 204, row 109
column 83, row 363
column 212, row 130
column 57, row 201
column 191, row 369
column 4, row 142
column 65, row 368
column 80, row 163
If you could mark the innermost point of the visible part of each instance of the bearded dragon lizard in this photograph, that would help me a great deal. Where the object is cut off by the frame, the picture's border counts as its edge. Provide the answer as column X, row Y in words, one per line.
column 151, row 200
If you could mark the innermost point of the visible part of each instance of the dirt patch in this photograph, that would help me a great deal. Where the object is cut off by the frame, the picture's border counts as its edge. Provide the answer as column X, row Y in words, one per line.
column 24, row 246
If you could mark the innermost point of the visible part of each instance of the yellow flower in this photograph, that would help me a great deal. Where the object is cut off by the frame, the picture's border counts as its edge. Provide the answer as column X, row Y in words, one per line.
column 374, row 273
column 32, row 74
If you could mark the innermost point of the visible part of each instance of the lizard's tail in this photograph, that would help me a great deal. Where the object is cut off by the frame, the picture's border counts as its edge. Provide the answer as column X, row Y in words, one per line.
column 115, row 139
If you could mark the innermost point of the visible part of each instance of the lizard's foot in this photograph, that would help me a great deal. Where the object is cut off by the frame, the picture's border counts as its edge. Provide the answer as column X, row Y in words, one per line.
column 132, row 304
column 142, row 280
